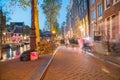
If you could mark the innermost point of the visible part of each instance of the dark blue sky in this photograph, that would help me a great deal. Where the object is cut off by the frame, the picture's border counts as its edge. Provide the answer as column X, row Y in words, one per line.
column 20, row 15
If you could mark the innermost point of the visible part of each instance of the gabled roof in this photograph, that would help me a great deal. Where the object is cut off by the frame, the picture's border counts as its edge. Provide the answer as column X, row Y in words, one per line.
column 17, row 27
column 18, row 30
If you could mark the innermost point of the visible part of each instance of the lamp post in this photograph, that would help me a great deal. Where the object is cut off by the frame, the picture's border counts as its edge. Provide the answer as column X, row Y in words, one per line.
column 1, row 16
column 0, row 43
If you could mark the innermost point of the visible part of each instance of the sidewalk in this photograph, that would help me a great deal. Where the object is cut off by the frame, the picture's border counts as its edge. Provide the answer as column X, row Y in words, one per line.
column 115, row 60
column 102, row 54
column 70, row 64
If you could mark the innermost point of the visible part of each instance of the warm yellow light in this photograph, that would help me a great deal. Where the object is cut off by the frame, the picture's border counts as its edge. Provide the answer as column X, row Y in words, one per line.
column 4, row 33
column 53, row 32
column 82, row 29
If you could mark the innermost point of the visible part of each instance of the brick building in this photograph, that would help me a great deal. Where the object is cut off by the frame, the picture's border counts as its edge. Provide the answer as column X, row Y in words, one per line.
column 104, row 19
column 111, row 18
column 79, row 13
column 96, row 19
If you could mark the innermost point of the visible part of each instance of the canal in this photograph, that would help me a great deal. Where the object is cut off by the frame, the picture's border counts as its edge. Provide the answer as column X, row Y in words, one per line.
column 9, row 54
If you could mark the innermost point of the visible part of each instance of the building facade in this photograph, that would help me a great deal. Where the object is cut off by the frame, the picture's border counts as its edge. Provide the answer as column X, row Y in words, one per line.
column 104, row 19
column 63, row 30
column 17, row 31
column 69, row 29
column 96, row 19
column 83, row 13
column 111, row 18
column 78, row 18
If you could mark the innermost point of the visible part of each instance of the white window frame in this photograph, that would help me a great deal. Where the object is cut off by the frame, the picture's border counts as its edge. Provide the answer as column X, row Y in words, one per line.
column 106, row 5
column 115, row 2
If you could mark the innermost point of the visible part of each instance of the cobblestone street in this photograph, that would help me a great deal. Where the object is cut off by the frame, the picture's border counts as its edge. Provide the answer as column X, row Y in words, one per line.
column 70, row 64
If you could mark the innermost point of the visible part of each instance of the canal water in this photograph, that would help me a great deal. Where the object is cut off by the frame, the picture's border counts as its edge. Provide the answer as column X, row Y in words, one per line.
column 9, row 54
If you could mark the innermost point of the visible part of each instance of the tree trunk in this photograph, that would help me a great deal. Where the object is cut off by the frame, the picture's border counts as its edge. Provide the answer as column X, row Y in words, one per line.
column 32, row 34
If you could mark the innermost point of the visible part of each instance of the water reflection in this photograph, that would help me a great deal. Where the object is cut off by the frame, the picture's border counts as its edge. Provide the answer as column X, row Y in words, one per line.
column 8, row 54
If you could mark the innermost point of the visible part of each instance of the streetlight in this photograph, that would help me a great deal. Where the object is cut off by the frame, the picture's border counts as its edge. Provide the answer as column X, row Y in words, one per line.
column 1, row 16
column 53, row 32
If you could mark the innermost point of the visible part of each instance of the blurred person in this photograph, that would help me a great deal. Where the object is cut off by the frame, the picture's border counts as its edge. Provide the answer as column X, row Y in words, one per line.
column 81, row 44
column 67, row 42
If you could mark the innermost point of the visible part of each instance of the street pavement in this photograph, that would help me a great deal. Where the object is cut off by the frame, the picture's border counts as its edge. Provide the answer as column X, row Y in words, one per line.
column 23, row 70
column 72, row 64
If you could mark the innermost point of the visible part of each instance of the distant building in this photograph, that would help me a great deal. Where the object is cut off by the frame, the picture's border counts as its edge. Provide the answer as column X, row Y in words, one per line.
column 63, row 29
column 17, row 29
column 78, row 18
column 99, row 19
column 84, row 17
column 69, row 27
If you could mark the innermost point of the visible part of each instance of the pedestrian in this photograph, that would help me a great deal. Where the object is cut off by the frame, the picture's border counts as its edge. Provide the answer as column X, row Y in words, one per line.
column 81, row 44
column 67, row 42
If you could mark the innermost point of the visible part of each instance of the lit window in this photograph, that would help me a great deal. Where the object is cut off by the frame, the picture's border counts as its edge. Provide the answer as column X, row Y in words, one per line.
column 100, row 10
column 93, row 14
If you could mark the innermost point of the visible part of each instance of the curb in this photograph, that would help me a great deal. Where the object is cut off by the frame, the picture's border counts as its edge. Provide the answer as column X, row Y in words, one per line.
column 40, row 72
column 105, row 60
column 45, row 69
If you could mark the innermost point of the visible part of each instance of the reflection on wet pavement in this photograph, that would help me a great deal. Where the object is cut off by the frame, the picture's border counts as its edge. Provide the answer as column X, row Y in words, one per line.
column 8, row 54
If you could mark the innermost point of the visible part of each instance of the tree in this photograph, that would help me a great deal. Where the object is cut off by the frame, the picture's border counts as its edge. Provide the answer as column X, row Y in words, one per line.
column 51, row 9
column 35, row 34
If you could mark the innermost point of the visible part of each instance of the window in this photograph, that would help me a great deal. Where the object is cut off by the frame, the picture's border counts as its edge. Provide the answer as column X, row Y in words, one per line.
column 93, row 14
column 85, row 4
column 100, row 10
column 115, row 1
column 82, row 6
column 107, row 3
column 92, row 2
